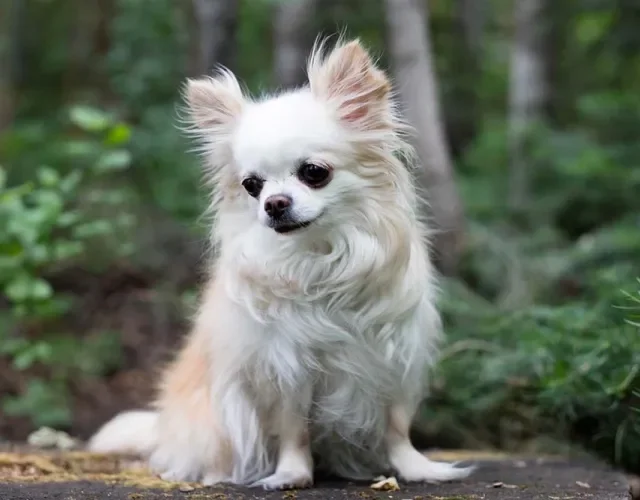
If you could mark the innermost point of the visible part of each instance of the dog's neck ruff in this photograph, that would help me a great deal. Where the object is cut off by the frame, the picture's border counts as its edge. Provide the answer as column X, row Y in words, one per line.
column 344, row 262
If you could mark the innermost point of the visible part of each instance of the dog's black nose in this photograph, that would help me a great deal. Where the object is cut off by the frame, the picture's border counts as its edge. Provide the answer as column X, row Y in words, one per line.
column 277, row 205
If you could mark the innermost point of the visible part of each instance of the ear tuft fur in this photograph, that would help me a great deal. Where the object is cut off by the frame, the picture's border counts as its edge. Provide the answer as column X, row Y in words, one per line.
column 213, row 103
column 348, row 78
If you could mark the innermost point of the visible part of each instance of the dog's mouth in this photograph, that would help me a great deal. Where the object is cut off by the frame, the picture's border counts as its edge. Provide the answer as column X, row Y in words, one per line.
column 289, row 227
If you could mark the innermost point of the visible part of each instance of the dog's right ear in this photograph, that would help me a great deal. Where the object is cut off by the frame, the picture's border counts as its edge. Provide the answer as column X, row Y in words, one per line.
column 213, row 104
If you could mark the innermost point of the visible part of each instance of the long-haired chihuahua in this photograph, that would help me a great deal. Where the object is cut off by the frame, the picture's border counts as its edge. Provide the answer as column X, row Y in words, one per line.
column 318, row 323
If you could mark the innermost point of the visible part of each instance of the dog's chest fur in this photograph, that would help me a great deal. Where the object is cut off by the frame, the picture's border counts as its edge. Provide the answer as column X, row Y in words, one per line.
column 356, row 341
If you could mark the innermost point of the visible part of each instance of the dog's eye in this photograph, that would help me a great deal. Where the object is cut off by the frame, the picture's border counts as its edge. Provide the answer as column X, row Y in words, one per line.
column 315, row 176
column 253, row 185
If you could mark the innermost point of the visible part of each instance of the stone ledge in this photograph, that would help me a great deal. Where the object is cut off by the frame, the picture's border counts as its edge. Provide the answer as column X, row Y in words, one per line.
column 28, row 474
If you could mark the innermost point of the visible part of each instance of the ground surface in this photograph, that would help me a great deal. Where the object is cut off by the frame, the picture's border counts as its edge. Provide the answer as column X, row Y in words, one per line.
column 27, row 474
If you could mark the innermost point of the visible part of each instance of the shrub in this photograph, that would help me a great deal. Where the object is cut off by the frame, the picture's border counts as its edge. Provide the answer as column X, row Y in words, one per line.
column 569, row 372
column 69, row 210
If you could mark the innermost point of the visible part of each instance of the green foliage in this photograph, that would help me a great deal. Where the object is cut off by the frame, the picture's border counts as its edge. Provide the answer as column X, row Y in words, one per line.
column 571, row 370
column 45, row 402
column 165, row 175
column 146, row 65
column 146, row 60
column 47, row 223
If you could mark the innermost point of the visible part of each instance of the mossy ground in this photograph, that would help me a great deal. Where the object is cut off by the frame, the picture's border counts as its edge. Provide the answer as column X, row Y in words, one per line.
column 52, row 467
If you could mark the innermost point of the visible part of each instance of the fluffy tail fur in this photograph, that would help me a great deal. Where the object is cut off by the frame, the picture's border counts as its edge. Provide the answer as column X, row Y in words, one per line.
column 132, row 432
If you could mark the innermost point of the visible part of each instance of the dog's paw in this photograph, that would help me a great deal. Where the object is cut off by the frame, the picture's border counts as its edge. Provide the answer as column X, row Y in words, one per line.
column 285, row 480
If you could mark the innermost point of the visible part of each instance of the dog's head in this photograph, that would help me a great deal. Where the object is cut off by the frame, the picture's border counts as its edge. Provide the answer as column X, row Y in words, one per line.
column 309, row 157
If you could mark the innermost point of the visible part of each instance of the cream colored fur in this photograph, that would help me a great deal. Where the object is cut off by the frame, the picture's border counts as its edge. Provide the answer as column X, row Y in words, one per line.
column 315, row 343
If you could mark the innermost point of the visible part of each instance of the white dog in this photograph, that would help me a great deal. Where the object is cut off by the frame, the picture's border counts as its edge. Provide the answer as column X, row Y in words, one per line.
column 318, row 323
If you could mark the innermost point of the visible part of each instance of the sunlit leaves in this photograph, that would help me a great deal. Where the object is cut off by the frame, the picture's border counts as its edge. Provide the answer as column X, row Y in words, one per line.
column 89, row 119
column 118, row 159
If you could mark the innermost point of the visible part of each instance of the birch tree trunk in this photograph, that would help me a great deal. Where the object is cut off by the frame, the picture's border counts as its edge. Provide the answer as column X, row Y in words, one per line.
column 412, row 61
column 217, row 22
column 293, row 36
column 528, row 92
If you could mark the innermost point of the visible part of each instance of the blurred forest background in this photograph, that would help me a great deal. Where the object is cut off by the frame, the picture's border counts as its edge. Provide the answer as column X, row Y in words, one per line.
column 527, row 115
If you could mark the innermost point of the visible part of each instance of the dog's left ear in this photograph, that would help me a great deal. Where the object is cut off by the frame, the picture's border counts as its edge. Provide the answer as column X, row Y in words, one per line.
column 348, row 78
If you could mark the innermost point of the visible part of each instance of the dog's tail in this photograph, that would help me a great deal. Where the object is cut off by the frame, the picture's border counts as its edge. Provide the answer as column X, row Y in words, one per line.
column 132, row 432
column 436, row 472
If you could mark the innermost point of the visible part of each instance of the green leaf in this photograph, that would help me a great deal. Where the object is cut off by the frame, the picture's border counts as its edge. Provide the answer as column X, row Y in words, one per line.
column 41, row 289
column 78, row 148
column 64, row 250
column 89, row 119
column 52, row 308
column 39, row 253
column 13, row 346
column 48, row 176
column 24, row 287
column 92, row 229
column 591, row 27
column 24, row 359
column 125, row 220
column 11, row 249
column 118, row 135
column 126, row 249
column 18, row 289
column 51, row 202
column 43, row 351
column 71, row 182
column 32, row 353
column 12, row 195
column 3, row 177
column 68, row 219
column 119, row 159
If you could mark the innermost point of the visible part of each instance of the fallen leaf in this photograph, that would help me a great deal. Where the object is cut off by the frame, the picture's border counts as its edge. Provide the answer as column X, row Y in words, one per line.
column 583, row 485
column 386, row 484
column 500, row 484
column 186, row 488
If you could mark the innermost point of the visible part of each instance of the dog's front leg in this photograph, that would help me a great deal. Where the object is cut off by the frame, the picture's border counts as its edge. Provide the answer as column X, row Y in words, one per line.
column 294, row 467
column 409, row 463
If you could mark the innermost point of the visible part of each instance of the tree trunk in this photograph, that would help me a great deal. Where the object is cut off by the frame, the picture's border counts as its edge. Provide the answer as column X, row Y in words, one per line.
column 412, row 59
column 472, row 16
column 293, row 36
column 528, row 92
column 12, row 30
column 217, row 22
column 465, row 113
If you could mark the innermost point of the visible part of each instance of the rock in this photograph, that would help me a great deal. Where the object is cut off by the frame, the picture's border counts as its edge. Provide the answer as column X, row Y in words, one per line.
column 34, row 474
column 46, row 437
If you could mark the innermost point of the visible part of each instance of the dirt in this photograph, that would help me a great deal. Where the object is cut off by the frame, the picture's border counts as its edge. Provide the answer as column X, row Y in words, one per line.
column 27, row 474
